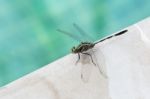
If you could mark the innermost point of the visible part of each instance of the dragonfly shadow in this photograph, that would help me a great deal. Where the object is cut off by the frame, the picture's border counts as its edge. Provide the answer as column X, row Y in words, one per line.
column 87, row 65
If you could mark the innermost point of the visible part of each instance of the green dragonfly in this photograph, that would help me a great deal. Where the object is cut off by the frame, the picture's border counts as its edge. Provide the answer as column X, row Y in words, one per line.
column 84, row 47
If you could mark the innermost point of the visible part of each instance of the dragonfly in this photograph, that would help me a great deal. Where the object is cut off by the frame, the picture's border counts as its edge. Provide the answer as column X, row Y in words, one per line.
column 84, row 47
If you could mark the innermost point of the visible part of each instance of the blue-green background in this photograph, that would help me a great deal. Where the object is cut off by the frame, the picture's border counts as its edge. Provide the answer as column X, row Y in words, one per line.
column 28, row 36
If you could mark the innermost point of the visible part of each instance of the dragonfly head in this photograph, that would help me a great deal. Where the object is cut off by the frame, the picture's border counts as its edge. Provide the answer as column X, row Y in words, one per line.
column 73, row 49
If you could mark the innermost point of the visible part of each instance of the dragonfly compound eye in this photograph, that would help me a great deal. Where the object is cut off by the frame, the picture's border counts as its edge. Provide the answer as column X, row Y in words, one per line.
column 73, row 49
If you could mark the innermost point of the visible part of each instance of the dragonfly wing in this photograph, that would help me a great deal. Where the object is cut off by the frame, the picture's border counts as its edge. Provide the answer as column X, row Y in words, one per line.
column 86, row 72
column 70, row 34
column 100, row 63
column 82, row 32
column 86, row 68
column 87, row 65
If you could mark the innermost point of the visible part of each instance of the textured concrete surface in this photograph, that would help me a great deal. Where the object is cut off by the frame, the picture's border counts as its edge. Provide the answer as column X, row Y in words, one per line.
column 125, row 60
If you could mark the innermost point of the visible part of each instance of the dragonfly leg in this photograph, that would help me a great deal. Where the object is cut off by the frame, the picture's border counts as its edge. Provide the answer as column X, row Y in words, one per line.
column 78, row 58
column 90, row 57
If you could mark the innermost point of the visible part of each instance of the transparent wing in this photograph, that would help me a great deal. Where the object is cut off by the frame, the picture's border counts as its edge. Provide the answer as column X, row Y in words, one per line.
column 86, row 67
column 86, row 71
column 69, row 34
column 82, row 32
column 100, row 62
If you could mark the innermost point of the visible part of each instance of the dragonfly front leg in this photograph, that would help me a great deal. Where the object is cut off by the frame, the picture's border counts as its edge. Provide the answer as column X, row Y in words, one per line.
column 78, row 58
column 90, row 57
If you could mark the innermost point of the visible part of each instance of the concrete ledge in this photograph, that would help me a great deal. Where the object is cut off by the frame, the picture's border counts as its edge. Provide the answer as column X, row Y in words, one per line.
column 124, row 59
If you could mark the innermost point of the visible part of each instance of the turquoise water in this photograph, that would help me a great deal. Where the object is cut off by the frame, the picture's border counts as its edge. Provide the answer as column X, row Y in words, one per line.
column 28, row 36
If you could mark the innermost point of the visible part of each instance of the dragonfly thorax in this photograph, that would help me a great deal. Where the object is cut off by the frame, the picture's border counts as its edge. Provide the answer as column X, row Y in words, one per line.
column 82, row 47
